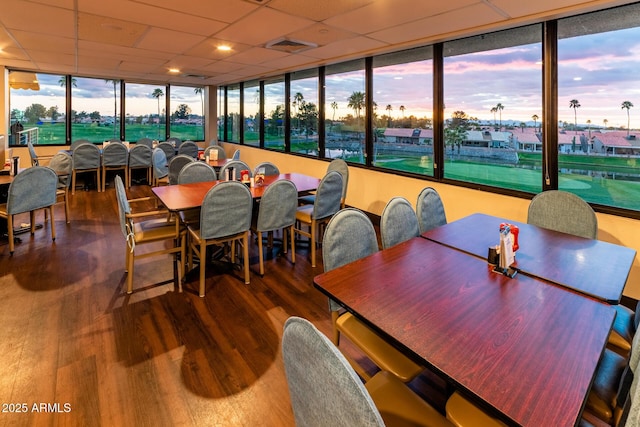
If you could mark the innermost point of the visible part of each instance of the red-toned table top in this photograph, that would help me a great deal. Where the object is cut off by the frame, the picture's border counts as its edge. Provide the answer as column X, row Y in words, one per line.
column 524, row 346
column 189, row 196
column 593, row 267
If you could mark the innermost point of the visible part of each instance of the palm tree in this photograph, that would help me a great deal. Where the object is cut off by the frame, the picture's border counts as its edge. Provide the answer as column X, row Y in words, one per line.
column 298, row 99
column 63, row 81
column 494, row 110
column 402, row 108
column 200, row 91
column 499, row 108
column 606, row 122
column 115, row 103
column 157, row 94
column 575, row 104
column 535, row 121
column 627, row 105
column 356, row 101
column 388, row 108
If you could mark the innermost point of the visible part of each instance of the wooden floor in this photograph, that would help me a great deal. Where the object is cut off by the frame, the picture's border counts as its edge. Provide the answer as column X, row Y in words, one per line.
column 77, row 351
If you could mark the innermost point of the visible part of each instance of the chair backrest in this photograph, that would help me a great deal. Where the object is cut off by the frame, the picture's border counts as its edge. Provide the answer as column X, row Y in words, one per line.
column 226, row 210
column 430, row 210
column 189, row 148
column 278, row 206
column 62, row 164
column 145, row 141
column 32, row 154
column 324, row 388
column 160, row 166
column 565, row 212
column 77, row 142
column 328, row 196
column 221, row 153
column 237, row 165
column 115, row 154
column 175, row 166
column 341, row 166
column 33, row 188
column 196, row 172
column 236, row 155
column 268, row 169
column 86, row 156
column 398, row 222
column 169, row 150
column 348, row 237
column 175, row 141
column 123, row 207
column 140, row 156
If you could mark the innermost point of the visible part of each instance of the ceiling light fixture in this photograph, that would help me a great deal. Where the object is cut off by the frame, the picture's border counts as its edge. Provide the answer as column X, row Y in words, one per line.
column 174, row 70
column 224, row 48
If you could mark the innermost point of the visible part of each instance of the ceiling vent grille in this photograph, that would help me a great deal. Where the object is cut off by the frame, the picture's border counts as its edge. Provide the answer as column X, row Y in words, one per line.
column 289, row 45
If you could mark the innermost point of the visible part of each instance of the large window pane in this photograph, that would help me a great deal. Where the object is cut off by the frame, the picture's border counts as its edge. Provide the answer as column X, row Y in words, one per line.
column 187, row 118
column 274, row 108
column 145, row 112
column 221, row 103
column 252, row 113
column 304, row 112
column 598, row 87
column 37, row 106
column 493, row 105
column 345, row 111
column 403, row 100
column 233, row 114
column 95, row 109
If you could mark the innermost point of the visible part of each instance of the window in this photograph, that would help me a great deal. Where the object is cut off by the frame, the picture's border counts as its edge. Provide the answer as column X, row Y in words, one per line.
column 304, row 112
column 95, row 109
column 37, row 108
column 493, row 102
column 233, row 114
column 599, row 141
column 221, row 113
column 145, row 107
column 187, row 118
column 403, row 101
column 252, row 119
column 274, row 111
column 345, row 106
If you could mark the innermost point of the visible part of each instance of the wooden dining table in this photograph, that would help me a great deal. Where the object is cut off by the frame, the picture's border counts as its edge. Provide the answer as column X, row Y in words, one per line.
column 189, row 196
column 523, row 348
column 593, row 267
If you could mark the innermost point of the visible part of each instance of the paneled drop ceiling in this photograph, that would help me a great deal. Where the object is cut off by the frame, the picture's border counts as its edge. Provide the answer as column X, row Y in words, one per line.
column 143, row 39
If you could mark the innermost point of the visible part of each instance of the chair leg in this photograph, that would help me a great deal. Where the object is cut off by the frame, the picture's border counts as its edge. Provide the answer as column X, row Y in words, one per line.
column 98, row 178
column 181, row 272
column 293, row 244
column 260, row 254
column 32, row 218
column 104, row 179
column 130, row 262
column 313, row 243
column 53, row 224
column 203, row 263
column 66, row 205
column 245, row 243
column 10, row 233
column 73, row 182
column 336, row 332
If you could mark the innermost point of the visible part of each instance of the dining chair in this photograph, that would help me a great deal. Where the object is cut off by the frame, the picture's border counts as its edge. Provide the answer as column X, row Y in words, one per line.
column 225, row 217
column 196, row 172
column 340, row 166
column 350, row 236
column 77, row 142
column 140, row 157
column 398, row 222
column 115, row 156
column 160, row 167
column 62, row 164
column 325, row 390
column 221, row 153
column 175, row 166
column 86, row 158
column 32, row 189
column 326, row 204
column 268, row 168
column 156, row 228
column 175, row 142
column 277, row 211
column 236, row 155
column 234, row 166
column 564, row 212
column 145, row 141
column 168, row 148
column 430, row 210
column 189, row 148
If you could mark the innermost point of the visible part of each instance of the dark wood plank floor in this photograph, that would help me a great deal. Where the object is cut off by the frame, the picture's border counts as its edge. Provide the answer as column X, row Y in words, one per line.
column 71, row 339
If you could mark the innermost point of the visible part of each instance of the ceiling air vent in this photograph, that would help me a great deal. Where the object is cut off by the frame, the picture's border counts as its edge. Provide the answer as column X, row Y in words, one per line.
column 289, row 45
column 195, row 76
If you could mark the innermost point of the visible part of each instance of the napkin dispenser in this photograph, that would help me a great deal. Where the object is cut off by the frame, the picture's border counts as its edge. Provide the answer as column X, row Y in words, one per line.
column 504, row 254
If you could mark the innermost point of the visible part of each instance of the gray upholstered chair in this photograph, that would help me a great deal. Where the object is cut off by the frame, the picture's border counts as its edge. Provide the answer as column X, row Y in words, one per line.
column 62, row 164
column 168, row 148
column 175, row 142
column 235, row 166
column 225, row 217
column 221, row 153
column 398, row 222
column 325, row 391
column 32, row 189
column 277, row 211
column 348, row 237
column 268, row 168
column 145, row 141
column 77, row 142
column 196, row 172
column 160, row 167
column 115, row 156
column 340, row 166
column 155, row 228
column 430, row 210
column 189, row 148
column 140, row 157
column 326, row 204
column 86, row 158
column 565, row 212
column 175, row 166
column 236, row 155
